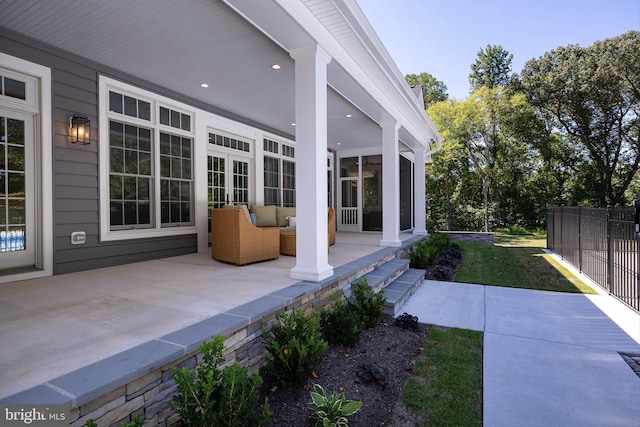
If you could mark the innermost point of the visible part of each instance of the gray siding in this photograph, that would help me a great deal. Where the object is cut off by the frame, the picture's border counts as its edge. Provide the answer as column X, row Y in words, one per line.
column 75, row 168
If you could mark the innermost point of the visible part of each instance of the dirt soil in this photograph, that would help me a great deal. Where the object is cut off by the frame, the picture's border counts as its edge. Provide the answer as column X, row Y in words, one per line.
column 373, row 371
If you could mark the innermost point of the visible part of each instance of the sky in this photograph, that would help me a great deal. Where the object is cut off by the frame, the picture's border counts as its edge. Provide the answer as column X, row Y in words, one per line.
column 443, row 37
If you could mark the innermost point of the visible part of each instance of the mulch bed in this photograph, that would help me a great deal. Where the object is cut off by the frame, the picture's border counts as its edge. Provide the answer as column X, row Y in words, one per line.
column 373, row 371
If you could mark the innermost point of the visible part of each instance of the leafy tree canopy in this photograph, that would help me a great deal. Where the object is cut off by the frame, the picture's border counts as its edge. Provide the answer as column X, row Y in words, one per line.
column 491, row 69
column 492, row 128
column 592, row 96
column 433, row 90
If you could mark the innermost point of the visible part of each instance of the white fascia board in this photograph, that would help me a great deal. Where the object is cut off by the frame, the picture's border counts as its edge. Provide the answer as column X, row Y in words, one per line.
column 372, row 37
column 379, row 52
column 391, row 98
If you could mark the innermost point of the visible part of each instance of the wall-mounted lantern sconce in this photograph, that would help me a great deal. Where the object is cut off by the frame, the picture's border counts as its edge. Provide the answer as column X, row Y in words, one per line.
column 79, row 129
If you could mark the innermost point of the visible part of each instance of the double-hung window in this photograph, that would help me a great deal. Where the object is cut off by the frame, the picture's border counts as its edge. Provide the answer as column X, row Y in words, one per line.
column 150, row 164
column 279, row 174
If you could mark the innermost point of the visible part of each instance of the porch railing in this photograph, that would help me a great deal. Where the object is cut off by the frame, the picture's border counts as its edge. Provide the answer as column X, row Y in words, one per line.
column 602, row 243
column 349, row 216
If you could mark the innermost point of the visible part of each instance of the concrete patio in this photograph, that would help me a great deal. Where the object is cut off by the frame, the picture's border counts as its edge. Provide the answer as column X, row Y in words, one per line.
column 55, row 325
column 550, row 358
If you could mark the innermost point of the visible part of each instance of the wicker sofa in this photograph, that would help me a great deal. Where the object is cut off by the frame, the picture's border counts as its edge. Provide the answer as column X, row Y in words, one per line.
column 236, row 240
column 277, row 216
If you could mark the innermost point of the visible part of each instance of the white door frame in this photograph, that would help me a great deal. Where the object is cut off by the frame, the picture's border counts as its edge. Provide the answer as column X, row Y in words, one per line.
column 350, row 218
column 40, row 105
column 229, row 159
column 26, row 256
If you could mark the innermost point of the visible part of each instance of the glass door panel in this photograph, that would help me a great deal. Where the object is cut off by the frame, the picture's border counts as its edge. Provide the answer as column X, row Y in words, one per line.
column 217, row 181
column 348, row 214
column 372, row 193
column 406, row 194
column 240, row 188
column 227, row 186
column 16, row 190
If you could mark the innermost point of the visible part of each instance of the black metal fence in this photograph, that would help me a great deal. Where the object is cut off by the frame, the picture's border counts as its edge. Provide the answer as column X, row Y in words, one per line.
column 602, row 243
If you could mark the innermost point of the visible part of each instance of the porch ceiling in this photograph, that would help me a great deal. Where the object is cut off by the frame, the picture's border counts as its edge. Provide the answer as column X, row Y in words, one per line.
column 181, row 44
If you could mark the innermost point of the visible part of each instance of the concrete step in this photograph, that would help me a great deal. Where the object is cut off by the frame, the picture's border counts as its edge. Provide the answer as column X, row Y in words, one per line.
column 386, row 273
column 396, row 280
column 399, row 291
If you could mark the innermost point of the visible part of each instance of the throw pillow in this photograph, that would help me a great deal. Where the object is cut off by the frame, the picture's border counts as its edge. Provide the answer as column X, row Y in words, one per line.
column 282, row 213
column 292, row 221
column 265, row 216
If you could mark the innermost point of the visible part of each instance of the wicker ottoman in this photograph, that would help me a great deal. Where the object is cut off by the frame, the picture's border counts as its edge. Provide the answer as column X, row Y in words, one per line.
column 288, row 243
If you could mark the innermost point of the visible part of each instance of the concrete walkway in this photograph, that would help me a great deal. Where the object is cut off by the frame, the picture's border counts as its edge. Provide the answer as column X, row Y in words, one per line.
column 550, row 359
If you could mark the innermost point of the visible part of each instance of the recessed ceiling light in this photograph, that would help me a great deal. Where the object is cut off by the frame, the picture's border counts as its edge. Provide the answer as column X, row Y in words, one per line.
column 276, row 66
column 339, row 143
column 205, row 85
column 348, row 116
column 293, row 124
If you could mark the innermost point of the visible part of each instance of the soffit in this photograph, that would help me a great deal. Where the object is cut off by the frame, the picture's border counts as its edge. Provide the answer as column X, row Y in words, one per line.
column 179, row 45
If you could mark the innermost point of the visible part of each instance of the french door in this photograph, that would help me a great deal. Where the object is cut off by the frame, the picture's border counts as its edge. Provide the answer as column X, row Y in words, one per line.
column 17, row 189
column 229, row 179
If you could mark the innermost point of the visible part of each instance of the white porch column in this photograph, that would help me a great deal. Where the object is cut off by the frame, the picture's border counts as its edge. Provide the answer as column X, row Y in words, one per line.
column 419, row 192
column 312, row 259
column 390, row 184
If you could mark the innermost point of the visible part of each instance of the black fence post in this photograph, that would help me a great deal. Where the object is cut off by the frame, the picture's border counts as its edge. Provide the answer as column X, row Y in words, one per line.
column 549, row 226
column 561, row 229
column 609, row 251
column 636, row 229
column 580, row 239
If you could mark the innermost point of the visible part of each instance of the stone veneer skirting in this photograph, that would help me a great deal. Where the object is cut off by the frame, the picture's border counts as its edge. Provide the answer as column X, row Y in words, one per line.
column 139, row 381
column 470, row 236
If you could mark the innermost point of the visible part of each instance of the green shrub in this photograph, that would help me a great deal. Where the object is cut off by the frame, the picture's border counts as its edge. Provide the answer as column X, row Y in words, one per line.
column 519, row 230
column 331, row 409
column 135, row 422
column 368, row 304
column 341, row 325
column 239, row 398
column 294, row 347
column 218, row 397
column 425, row 253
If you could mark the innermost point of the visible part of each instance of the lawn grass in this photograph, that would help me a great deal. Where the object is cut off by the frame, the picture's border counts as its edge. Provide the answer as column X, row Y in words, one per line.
column 516, row 261
column 446, row 386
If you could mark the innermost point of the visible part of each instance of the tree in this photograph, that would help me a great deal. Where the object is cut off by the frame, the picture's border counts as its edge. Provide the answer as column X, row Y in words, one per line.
column 492, row 128
column 452, row 188
column 491, row 69
column 433, row 90
column 592, row 95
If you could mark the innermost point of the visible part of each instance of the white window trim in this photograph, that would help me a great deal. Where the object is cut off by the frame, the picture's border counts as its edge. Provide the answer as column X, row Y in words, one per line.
column 30, row 102
column 106, row 234
column 43, row 118
column 231, row 154
column 281, row 157
column 228, row 150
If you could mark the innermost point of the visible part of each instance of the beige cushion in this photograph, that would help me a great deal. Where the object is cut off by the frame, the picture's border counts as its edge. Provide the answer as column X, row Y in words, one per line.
column 265, row 216
column 282, row 214
column 243, row 207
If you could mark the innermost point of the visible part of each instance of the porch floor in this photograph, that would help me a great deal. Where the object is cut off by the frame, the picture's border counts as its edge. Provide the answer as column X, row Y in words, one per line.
column 54, row 325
